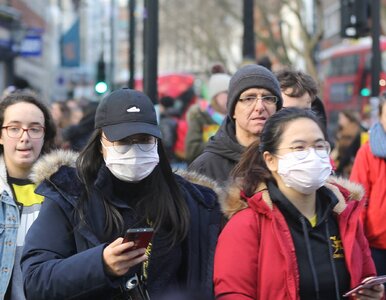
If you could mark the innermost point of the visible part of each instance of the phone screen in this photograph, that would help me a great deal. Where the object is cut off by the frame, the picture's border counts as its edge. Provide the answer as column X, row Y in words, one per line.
column 140, row 236
column 367, row 283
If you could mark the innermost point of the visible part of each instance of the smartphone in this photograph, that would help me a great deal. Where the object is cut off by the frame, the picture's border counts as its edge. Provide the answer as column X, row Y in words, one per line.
column 140, row 236
column 368, row 283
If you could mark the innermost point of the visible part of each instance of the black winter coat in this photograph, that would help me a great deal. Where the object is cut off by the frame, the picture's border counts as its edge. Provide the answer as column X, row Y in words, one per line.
column 62, row 260
column 220, row 155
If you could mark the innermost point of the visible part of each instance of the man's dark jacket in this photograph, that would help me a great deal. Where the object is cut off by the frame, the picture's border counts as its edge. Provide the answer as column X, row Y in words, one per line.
column 220, row 155
column 62, row 260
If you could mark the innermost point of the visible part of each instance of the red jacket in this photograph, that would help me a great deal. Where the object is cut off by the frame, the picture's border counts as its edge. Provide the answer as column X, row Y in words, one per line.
column 255, row 256
column 370, row 171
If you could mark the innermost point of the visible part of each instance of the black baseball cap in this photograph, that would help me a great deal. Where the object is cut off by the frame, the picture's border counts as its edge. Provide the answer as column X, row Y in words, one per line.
column 125, row 112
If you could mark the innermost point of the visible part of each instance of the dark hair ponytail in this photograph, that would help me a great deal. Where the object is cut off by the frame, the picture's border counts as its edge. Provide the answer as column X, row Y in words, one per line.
column 251, row 170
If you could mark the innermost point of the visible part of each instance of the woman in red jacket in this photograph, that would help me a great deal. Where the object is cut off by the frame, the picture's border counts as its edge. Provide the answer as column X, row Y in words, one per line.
column 294, row 232
column 369, row 169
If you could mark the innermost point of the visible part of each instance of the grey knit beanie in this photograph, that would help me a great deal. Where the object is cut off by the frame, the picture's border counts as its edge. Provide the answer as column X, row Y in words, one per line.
column 218, row 83
column 252, row 76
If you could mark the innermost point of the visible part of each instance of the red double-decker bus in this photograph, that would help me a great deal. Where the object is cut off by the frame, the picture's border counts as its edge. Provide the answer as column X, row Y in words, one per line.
column 346, row 76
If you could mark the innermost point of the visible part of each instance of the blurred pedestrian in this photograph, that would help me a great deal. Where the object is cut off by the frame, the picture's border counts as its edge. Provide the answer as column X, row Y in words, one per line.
column 76, row 110
column 122, row 179
column 347, row 141
column 253, row 96
column 168, row 125
column 293, row 233
column 298, row 89
column 27, row 131
column 61, row 115
column 75, row 136
column 369, row 169
column 19, row 84
column 205, row 119
column 265, row 61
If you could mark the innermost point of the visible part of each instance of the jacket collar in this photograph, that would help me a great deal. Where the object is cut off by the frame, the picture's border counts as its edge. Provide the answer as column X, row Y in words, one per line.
column 224, row 142
column 233, row 199
column 47, row 167
column 3, row 176
column 50, row 163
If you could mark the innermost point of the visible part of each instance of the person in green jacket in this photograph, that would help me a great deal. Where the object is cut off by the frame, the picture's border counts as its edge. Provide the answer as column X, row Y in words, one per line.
column 204, row 119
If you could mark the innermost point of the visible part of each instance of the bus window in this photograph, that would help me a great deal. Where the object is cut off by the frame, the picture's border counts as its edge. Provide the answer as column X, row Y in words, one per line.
column 350, row 64
column 341, row 92
column 335, row 67
column 368, row 61
column 344, row 65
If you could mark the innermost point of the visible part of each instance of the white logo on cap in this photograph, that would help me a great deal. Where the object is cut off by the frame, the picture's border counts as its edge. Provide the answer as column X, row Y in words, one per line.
column 133, row 109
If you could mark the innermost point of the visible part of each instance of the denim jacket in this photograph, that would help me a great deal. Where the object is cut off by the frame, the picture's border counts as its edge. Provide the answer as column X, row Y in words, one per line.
column 9, row 224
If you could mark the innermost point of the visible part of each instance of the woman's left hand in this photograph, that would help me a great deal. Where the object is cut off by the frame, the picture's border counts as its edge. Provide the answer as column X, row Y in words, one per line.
column 374, row 293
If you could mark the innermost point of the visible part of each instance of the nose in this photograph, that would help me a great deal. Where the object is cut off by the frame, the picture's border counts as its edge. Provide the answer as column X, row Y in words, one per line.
column 24, row 134
column 259, row 104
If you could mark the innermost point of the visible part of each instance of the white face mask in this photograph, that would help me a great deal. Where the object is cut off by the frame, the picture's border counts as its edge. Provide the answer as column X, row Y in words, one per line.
column 304, row 175
column 133, row 165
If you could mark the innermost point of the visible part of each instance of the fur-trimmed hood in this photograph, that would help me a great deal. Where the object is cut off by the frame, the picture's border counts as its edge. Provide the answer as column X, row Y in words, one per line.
column 231, row 201
column 200, row 179
column 50, row 163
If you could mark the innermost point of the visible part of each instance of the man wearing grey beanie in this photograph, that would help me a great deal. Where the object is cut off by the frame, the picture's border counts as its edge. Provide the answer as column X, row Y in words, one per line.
column 253, row 96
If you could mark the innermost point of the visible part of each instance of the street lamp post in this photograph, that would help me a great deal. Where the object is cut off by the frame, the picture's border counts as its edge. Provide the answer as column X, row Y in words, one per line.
column 376, row 59
column 132, row 6
column 249, row 34
column 151, row 50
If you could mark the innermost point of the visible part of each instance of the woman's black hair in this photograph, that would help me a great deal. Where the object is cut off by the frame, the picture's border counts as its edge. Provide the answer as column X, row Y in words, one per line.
column 252, row 170
column 29, row 97
column 164, row 206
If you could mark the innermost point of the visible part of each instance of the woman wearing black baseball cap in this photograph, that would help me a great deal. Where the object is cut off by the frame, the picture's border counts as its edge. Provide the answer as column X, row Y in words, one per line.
column 121, row 180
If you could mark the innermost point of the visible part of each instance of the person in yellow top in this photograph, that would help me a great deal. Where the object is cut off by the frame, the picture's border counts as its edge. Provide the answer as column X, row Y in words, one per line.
column 204, row 119
column 27, row 131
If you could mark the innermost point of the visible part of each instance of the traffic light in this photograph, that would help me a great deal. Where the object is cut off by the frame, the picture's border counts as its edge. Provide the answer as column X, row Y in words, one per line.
column 354, row 18
column 365, row 92
column 101, row 84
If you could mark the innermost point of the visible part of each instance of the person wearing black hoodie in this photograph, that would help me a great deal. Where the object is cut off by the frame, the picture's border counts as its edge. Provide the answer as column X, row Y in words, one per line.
column 254, row 95
column 77, row 135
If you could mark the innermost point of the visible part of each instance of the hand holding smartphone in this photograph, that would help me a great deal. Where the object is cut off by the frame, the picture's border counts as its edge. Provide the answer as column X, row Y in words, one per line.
column 366, row 284
column 140, row 236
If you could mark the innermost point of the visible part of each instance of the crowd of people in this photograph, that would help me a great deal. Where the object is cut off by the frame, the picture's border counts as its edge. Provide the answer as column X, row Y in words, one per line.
column 247, row 193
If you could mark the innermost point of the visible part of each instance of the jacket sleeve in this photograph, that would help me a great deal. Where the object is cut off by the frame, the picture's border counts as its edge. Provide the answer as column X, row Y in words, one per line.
column 199, row 165
column 368, row 267
column 200, row 244
column 51, row 266
column 194, row 143
column 236, row 261
column 360, row 173
column 168, row 127
column 361, row 169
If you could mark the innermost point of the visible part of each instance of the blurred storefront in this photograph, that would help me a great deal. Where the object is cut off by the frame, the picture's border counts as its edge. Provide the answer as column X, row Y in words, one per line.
column 9, row 29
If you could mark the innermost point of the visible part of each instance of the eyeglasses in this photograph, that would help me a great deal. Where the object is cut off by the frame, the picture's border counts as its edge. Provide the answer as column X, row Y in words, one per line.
column 322, row 149
column 145, row 143
column 251, row 99
column 16, row 132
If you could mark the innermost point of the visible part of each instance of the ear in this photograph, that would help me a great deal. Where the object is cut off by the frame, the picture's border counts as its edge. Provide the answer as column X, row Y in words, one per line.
column 270, row 161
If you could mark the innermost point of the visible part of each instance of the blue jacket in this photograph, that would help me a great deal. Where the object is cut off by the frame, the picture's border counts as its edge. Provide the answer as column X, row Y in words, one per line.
column 9, row 224
column 62, row 260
